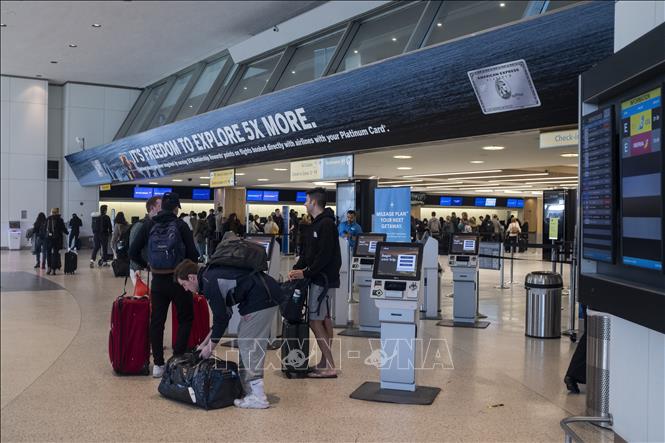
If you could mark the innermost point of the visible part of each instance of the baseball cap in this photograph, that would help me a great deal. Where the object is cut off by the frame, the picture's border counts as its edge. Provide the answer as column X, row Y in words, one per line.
column 170, row 201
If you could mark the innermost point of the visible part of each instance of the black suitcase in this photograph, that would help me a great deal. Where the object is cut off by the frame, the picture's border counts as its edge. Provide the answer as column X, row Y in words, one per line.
column 120, row 267
column 522, row 245
column 71, row 262
column 295, row 349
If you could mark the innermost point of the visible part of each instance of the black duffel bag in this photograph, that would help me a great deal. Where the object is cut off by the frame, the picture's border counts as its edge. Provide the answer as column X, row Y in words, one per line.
column 240, row 254
column 120, row 267
column 210, row 384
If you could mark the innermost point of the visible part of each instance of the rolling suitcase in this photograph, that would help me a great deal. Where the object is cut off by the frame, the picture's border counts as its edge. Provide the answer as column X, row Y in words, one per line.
column 200, row 325
column 129, row 337
column 71, row 262
column 295, row 349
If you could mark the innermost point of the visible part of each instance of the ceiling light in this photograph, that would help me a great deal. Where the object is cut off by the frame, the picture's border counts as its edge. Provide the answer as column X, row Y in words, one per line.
column 96, row 25
column 324, row 184
column 394, row 39
column 510, row 175
column 493, row 148
column 569, row 177
column 404, row 168
column 153, row 183
column 204, row 184
column 205, row 178
column 484, row 190
column 536, row 192
column 262, row 179
column 240, row 173
column 403, row 182
column 54, row 62
column 244, row 87
column 355, row 51
column 176, row 180
column 293, row 72
column 280, row 169
column 477, row 162
column 72, row 45
column 402, row 157
column 453, row 173
column 569, row 155
column 439, row 25
column 503, row 5
column 513, row 192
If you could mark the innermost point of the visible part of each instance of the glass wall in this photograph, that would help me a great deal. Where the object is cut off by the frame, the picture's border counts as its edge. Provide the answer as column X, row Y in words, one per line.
column 458, row 18
column 198, row 93
column 162, row 116
column 382, row 37
column 154, row 99
column 254, row 79
column 309, row 61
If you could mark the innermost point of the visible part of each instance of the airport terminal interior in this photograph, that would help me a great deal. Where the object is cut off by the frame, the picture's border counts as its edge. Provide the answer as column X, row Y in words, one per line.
column 489, row 265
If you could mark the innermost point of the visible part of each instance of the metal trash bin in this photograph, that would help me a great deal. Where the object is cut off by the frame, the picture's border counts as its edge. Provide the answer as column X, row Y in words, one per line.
column 598, row 364
column 543, row 304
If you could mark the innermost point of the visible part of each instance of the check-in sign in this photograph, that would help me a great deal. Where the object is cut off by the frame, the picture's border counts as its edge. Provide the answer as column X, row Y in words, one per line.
column 222, row 178
column 559, row 139
column 328, row 168
column 504, row 87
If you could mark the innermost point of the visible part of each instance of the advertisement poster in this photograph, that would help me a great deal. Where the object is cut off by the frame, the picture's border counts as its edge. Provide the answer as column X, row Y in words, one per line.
column 392, row 207
column 504, row 87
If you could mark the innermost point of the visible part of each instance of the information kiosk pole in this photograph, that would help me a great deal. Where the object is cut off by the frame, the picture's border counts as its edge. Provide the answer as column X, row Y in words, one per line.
column 340, row 296
column 430, row 284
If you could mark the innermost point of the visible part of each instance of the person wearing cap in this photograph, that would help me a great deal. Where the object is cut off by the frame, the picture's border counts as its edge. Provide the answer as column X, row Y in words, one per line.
column 164, row 289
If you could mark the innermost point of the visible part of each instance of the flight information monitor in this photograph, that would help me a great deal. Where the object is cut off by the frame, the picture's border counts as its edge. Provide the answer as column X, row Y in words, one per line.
column 450, row 201
column 141, row 192
column 366, row 244
column 264, row 240
column 515, row 203
column 597, row 185
column 464, row 245
column 485, row 202
column 398, row 261
column 641, row 181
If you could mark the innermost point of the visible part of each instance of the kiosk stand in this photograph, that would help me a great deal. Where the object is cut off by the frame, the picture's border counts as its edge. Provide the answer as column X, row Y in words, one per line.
column 463, row 261
column 395, row 285
column 340, row 296
column 430, row 283
column 362, row 265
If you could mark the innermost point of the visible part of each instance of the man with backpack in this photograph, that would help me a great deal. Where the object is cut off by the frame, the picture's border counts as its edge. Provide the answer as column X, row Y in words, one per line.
column 253, row 292
column 152, row 206
column 101, row 230
column 320, row 262
column 169, row 241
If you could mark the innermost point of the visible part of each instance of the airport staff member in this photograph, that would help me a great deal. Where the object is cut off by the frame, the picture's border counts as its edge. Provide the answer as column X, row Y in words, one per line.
column 350, row 229
column 321, row 256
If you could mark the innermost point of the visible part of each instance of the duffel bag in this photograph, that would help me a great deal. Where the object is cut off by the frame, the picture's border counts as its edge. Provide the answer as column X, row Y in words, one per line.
column 210, row 384
column 240, row 254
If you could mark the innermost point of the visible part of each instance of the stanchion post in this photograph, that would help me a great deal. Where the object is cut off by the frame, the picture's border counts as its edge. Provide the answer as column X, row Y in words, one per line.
column 502, row 264
column 553, row 256
column 512, row 265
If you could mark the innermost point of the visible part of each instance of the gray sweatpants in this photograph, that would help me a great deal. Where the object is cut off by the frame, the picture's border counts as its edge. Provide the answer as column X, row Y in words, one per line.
column 253, row 335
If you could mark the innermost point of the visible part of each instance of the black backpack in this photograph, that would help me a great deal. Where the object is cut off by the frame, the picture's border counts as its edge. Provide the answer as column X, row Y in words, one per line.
column 240, row 254
column 123, row 243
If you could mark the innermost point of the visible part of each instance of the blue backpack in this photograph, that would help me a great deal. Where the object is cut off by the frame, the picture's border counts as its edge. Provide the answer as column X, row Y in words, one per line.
column 165, row 246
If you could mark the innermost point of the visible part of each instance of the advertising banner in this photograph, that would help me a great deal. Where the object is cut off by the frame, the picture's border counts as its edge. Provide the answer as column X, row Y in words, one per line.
column 504, row 87
column 417, row 97
column 392, row 213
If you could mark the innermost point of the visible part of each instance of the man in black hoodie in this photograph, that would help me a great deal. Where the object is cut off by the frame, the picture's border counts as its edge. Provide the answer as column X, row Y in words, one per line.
column 169, row 241
column 101, row 230
column 320, row 261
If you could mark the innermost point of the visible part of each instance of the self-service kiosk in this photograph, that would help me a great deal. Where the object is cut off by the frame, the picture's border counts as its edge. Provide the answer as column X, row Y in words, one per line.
column 340, row 296
column 362, row 266
column 430, row 283
column 395, row 285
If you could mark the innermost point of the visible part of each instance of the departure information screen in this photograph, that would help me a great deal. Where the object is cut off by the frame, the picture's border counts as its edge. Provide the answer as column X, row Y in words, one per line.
column 366, row 244
column 641, row 181
column 597, row 185
column 398, row 261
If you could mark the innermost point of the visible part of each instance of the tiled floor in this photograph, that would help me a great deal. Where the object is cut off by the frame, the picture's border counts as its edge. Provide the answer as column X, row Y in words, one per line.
column 57, row 383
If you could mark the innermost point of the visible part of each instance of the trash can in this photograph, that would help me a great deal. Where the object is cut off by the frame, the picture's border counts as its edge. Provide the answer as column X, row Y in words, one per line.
column 14, row 237
column 598, row 364
column 543, row 304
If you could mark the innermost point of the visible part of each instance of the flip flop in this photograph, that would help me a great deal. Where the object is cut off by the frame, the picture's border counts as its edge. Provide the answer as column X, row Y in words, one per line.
column 321, row 375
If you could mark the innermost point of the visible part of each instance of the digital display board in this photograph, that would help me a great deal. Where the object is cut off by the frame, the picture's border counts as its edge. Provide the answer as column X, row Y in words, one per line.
column 464, row 245
column 270, row 196
column 201, row 194
column 641, row 181
column 366, row 244
column 485, row 202
column 450, row 201
column 301, row 196
column 398, row 261
column 597, row 185
column 262, row 196
column 254, row 196
column 158, row 192
column 143, row 193
column 515, row 203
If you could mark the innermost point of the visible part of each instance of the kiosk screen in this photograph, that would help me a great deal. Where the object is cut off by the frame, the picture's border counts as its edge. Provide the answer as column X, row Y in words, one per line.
column 262, row 240
column 398, row 261
column 641, row 181
column 366, row 244
column 464, row 245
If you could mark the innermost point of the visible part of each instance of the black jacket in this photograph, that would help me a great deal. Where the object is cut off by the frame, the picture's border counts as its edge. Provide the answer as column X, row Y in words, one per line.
column 103, row 226
column 256, row 299
column 143, row 235
column 321, row 252
column 55, row 229
column 212, row 226
column 75, row 225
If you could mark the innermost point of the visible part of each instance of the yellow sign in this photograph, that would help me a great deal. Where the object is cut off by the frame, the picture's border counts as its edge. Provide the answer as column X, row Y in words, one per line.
column 642, row 98
column 554, row 228
column 222, row 178
column 640, row 122
column 305, row 170
column 105, row 188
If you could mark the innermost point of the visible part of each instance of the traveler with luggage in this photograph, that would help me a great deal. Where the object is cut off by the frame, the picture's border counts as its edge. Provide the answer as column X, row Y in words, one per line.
column 497, row 228
column 120, row 227
column 55, row 229
column 434, row 226
column 223, row 285
column 101, row 230
column 169, row 241
column 200, row 235
column 349, row 228
column 39, row 240
column 320, row 263
column 75, row 224
column 514, row 231
column 152, row 206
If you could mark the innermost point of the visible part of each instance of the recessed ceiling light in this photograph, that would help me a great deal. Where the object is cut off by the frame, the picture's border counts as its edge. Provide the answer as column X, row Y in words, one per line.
column 96, row 25
column 503, row 5
column 536, row 192
column 205, row 178
column 240, row 173
column 72, row 45
column 404, row 168
column 176, row 180
column 355, row 51
column 54, row 62
column 493, row 148
column 402, row 157
column 191, row 106
column 394, row 39
column 453, row 173
column 293, row 72
column 484, row 190
column 477, row 162
column 244, row 87
column 569, row 155
column 262, row 179
column 280, row 169
column 439, row 25
column 204, row 184
column 324, row 184
column 153, row 183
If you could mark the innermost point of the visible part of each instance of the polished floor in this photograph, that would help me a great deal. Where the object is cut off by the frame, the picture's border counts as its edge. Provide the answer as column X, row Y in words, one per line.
column 57, row 383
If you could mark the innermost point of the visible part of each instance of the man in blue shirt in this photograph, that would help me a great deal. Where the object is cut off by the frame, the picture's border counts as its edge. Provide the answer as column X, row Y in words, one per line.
column 350, row 229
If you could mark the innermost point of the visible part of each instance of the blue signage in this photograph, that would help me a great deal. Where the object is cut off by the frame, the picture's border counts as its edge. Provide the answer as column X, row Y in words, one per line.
column 515, row 203
column 450, row 201
column 254, row 196
column 141, row 192
column 158, row 192
column 392, row 213
column 301, row 197
column 485, row 202
column 201, row 194
column 270, row 196
column 262, row 196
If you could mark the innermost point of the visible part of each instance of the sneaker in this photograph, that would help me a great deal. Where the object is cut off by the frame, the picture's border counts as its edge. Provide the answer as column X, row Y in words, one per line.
column 36, row 266
column 92, row 264
column 158, row 371
column 252, row 402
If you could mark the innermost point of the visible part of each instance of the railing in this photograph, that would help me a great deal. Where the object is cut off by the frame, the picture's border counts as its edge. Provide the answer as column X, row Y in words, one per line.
column 571, row 436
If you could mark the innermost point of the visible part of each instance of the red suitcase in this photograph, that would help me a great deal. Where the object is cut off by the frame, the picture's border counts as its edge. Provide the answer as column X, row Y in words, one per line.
column 129, row 337
column 200, row 325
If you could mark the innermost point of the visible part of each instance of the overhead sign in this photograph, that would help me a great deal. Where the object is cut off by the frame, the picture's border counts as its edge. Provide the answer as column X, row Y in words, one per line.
column 504, row 87
column 222, row 178
column 392, row 213
column 105, row 188
column 327, row 168
column 559, row 139
column 413, row 98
